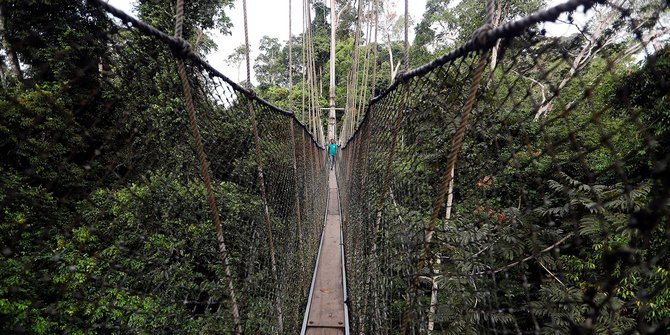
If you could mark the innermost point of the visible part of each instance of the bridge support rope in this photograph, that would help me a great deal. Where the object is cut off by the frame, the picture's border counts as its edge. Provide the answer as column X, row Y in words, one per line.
column 205, row 172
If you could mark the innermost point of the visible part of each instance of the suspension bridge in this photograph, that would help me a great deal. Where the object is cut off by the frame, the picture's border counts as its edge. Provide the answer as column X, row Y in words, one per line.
column 491, row 190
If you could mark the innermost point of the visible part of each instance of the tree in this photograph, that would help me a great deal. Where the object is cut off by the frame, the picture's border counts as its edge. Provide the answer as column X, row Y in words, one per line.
column 447, row 23
column 236, row 58
column 597, row 36
column 269, row 65
column 7, row 44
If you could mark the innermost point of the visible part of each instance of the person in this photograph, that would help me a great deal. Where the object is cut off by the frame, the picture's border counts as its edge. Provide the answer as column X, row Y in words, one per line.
column 332, row 150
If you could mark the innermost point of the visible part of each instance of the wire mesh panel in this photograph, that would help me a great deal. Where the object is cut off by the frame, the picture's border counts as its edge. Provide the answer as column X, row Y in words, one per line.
column 548, row 215
column 106, row 221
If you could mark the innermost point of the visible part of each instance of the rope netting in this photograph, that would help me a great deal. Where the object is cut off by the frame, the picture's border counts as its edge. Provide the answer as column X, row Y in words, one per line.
column 527, row 196
column 107, row 224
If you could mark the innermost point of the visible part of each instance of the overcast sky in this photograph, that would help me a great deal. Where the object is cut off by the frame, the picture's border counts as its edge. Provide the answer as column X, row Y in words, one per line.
column 270, row 17
column 266, row 17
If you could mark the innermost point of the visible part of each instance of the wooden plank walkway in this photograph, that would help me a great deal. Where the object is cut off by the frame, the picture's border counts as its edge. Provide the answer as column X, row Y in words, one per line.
column 326, row 314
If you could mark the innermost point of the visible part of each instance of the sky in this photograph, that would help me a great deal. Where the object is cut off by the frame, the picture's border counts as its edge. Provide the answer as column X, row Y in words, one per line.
column 265, row 17
column 270, row 17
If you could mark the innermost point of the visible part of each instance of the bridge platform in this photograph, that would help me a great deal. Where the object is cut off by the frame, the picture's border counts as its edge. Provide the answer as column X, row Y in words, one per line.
column 326, row 313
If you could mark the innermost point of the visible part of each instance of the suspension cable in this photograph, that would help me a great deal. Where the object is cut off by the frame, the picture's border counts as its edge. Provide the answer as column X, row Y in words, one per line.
column 261, row 180
column 204, row 170
column 405, row 57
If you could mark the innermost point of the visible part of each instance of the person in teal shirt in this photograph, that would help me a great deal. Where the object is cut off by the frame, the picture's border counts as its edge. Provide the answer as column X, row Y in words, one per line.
column 332, row 150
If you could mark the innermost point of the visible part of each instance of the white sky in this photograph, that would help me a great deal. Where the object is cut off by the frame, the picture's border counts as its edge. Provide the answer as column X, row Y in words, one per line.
column 266, row 17
column 270, row 17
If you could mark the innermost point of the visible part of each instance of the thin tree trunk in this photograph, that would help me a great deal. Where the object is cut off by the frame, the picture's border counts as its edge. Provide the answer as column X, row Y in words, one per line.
column 9, row 50
column 390, row 50
column 496, row 21
column 3, row 73
column 589, row 49
column 435, row 276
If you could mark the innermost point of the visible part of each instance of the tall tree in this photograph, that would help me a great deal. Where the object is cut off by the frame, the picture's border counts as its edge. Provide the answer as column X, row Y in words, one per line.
column 236, row 58
column 7, row 44
column 268, row 64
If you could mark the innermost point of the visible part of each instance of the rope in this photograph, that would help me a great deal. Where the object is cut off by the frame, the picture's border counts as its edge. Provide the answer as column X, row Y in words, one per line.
column 302, row 115
column 205, row 171
column 246, row 43
column 290, row 60
column 293, row 142
column 448, row 177
column 182, row 50
column 366, row 72
column 387, row 177
column 352, row 85
column 374, row 57
column 451, row 162
column 483, row 40
column 405, row 56
column 261, row 181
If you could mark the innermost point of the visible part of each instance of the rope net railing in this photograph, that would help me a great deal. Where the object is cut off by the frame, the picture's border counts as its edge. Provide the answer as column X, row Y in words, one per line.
column 107, row 225
column 530, row 196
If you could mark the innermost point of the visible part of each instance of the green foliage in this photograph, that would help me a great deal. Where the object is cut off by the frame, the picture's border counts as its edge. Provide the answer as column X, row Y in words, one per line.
column 202, row 15
column 268, row 64
column 645, row 93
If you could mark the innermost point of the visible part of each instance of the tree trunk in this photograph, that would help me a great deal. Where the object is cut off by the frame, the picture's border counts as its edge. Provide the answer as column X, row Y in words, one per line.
column 496, row 21
column 9, row 50
column 432, row 310
column 374, row 57
column 3, row 73
column 435, row 277
column 388, row 46
column 592, row 45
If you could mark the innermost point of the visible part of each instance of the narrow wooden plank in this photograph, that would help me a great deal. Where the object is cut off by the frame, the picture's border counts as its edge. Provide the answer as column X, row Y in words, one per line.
column 333, row 206
column 326, row 314
column 324, row 331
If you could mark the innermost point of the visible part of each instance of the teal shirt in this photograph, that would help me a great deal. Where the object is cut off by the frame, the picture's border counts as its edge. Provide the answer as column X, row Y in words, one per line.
column 332, row 148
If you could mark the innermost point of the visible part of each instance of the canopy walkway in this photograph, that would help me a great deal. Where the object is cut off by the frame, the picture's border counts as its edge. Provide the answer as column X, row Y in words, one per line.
column 493, row 190
column 326, row 311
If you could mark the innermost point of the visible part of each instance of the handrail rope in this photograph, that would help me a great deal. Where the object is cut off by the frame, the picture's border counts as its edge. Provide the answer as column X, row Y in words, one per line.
column 204, row 169
column 182, row 50
column 480, row 40
column 261, row 180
